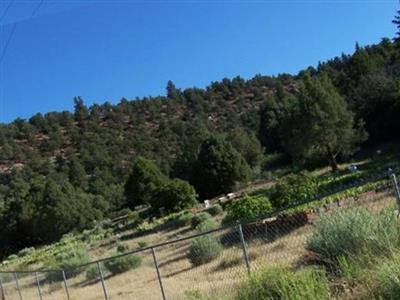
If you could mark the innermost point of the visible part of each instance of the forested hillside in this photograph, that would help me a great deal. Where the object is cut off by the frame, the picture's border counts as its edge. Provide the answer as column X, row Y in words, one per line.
column 62, row 170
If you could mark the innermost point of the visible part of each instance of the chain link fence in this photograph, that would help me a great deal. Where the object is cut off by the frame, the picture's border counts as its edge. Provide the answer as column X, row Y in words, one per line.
column 174, row 270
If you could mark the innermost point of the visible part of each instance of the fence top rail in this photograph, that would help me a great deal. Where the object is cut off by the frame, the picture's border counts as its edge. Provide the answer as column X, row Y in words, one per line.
column 228, row 226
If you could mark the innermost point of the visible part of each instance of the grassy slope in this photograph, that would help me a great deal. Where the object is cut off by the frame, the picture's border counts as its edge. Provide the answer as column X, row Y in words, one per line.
column 180, row 278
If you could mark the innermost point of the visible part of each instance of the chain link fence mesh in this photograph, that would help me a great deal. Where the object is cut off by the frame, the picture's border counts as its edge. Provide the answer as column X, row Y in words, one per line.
column 177, row 270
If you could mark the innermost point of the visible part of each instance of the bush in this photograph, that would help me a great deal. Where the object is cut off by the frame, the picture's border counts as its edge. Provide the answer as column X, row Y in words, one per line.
column 199, row 218
column 206, row 225
column 355, row 231
column 293, row 188
column 122, row 264
column 68, row 260
column 184, row 219
column 204, row 249
column 279, row 283
column 92, row 273
column 247, row 208
column 215, row 210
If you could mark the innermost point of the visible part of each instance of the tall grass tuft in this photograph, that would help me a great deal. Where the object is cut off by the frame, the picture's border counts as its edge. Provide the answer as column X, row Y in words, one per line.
column 281, row 283
column 389, row 278
column 353, row 232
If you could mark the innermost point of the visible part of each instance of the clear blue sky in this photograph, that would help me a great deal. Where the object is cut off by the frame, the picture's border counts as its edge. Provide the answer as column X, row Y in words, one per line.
column 106, row 50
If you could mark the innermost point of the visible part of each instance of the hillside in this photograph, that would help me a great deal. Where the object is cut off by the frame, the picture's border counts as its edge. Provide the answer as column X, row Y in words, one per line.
column 64, row 169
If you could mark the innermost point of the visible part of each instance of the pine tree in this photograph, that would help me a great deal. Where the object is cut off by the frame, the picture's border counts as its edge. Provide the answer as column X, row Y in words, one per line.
column 396, row 21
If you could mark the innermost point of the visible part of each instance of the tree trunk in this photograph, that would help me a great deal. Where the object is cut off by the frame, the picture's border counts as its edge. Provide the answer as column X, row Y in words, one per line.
column 332, row 160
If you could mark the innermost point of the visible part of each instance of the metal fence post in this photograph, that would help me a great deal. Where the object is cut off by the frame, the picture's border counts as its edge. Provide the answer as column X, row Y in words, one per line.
column 103, row 284
column 396, row 190
column 158, row 273
column 65, row 283
column 17, row 283
column 38, row 286
column 2, row 294
column 244, row 247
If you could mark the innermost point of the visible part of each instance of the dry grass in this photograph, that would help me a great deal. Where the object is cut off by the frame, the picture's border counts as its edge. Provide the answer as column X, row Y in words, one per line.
column 217, row 279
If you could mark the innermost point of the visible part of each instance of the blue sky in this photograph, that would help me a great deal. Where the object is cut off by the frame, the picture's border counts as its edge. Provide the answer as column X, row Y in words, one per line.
column 106, row 50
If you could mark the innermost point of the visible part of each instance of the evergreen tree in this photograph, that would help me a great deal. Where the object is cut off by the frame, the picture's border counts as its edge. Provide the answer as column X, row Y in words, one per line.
column 218, row 168
column 396, row 21
column 81, row 112
column 142, row 183
column 247, row 145
column 273, row 114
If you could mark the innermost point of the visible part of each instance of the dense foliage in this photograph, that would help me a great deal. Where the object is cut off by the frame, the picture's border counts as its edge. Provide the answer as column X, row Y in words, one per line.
column 218, row 167
column 293, row 188
column 204, row 249
column 63, row 170
column 175, row 196
column 248, row 208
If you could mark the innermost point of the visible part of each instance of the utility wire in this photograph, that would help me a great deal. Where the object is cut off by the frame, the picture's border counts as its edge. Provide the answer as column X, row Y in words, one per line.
column 6, row 10
column 3, row 53
column 34, row 12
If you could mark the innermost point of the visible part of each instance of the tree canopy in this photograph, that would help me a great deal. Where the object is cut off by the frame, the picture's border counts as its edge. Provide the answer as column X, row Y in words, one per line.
column 219, row 166
column 320, row 123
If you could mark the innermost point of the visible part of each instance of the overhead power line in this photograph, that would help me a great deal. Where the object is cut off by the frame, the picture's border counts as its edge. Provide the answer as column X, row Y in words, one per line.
column 6, row 10
column 34, row 12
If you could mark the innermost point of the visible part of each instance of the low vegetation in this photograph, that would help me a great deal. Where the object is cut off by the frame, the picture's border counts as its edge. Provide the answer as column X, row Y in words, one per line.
column 352, row 232
column 204, row 249
column 248, row 208
column 199, row 218
column 122, row 264
column 281, row 283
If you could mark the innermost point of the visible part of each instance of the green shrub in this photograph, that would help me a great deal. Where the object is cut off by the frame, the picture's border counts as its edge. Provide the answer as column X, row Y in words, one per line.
column 247, row 208
column 199, row 218
column 204, row 249
column 207, row 225
column 68, row 260
column 122, row 264
column 293, row 188
column 355, row 231
column 92, row 272
column 279, row 283
column 215, row 210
